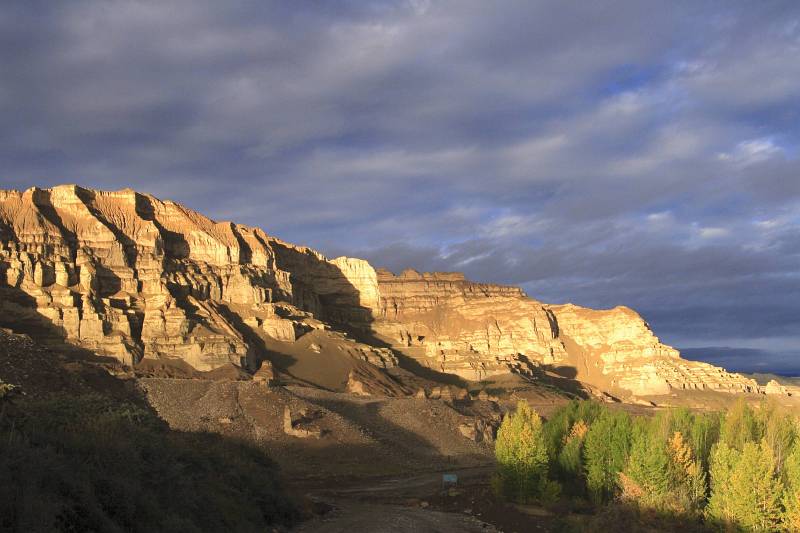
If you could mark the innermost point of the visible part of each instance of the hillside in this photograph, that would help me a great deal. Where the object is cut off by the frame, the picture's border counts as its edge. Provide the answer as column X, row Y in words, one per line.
column 82, row 451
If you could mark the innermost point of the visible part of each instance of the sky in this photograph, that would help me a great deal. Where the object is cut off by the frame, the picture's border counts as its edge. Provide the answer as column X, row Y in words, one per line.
column 602, row 153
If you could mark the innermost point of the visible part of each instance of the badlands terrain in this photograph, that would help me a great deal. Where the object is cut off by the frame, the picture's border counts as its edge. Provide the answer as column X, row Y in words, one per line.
column 354, row 380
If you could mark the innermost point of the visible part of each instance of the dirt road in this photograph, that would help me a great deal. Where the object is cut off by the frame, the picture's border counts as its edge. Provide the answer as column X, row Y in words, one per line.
column 395, row 505
column 381, row 518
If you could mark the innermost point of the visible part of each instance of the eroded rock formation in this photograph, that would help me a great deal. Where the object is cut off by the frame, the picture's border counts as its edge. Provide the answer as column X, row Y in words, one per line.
column 477, row 330
column 471, row 329
column 129, row 276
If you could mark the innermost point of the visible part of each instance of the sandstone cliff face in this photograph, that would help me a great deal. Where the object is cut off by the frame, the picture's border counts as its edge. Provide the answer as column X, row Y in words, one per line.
column 130, row 276
column 471, row 329
column 477, row 330
column 127, row 275
column 617, row 349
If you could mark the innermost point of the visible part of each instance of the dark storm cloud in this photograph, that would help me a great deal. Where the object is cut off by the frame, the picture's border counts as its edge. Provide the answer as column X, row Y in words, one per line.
column 604, row 153
column 749, row 360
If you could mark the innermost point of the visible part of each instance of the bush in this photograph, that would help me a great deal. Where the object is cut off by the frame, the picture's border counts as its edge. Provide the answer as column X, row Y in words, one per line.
column 93, row 463
column 7, row 390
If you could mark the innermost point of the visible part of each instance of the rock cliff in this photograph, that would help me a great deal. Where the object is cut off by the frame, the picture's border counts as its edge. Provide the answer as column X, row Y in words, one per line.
column 471, row 329
column 127, row 275
column 478, row 330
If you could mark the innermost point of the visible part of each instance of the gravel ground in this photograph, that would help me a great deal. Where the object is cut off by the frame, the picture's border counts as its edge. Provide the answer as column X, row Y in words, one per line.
column 361, row 437
column 378, row 518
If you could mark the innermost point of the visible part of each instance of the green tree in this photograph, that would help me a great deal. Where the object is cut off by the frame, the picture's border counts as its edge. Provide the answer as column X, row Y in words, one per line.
column 570, row 460
column 606, row 453
column 558, row 427
column 779, row 430
column 791, row 496
column 703, row 434
column 647, row 475
column 521, row 454
column 740, row 426
column 745, row 489
column 688, row 477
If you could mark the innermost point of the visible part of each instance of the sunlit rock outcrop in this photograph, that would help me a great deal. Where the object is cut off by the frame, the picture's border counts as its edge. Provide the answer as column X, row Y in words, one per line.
column 471, row 329
column 127, row 275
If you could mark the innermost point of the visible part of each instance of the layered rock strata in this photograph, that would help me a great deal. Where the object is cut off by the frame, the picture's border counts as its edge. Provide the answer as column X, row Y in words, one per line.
column 476, row 330
column 129, row 276
column 471, row 329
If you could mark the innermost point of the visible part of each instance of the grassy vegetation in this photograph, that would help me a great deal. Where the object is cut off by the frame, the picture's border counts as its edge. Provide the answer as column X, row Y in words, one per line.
column 677, row 470
column 93, row 463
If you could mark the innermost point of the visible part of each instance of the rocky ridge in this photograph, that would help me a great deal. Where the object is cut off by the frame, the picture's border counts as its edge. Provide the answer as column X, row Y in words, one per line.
column 132, row 277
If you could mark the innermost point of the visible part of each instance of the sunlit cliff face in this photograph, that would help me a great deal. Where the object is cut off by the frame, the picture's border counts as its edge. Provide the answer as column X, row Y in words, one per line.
column 130, row 276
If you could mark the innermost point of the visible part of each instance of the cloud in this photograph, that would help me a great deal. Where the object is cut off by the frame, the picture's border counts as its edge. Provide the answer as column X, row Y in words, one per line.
column 712, row 233
column 752, row 151
column 748, row 360
column 603, row 153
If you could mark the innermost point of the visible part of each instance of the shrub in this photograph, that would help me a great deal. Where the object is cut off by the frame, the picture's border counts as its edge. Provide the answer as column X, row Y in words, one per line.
column 7, row 390
column 94, row 463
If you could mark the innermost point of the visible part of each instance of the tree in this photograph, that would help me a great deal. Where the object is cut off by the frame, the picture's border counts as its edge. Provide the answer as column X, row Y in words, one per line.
column 570, row 459
column 740, row 426
column 662, row 473
column 745, row 490
column 791, row 497
column 689, row 478
column 606, row 452
column 557, row 428
column 522, row 461
column 703, row 435
column 647, row 473
column 779, row 430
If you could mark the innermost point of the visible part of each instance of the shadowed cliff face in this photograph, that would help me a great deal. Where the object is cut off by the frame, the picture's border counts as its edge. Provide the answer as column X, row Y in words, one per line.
column 128, row 275
column 343, row 290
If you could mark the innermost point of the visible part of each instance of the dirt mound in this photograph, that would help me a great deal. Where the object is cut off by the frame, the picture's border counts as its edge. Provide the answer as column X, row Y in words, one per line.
column 329, row 359
column 178, row 369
